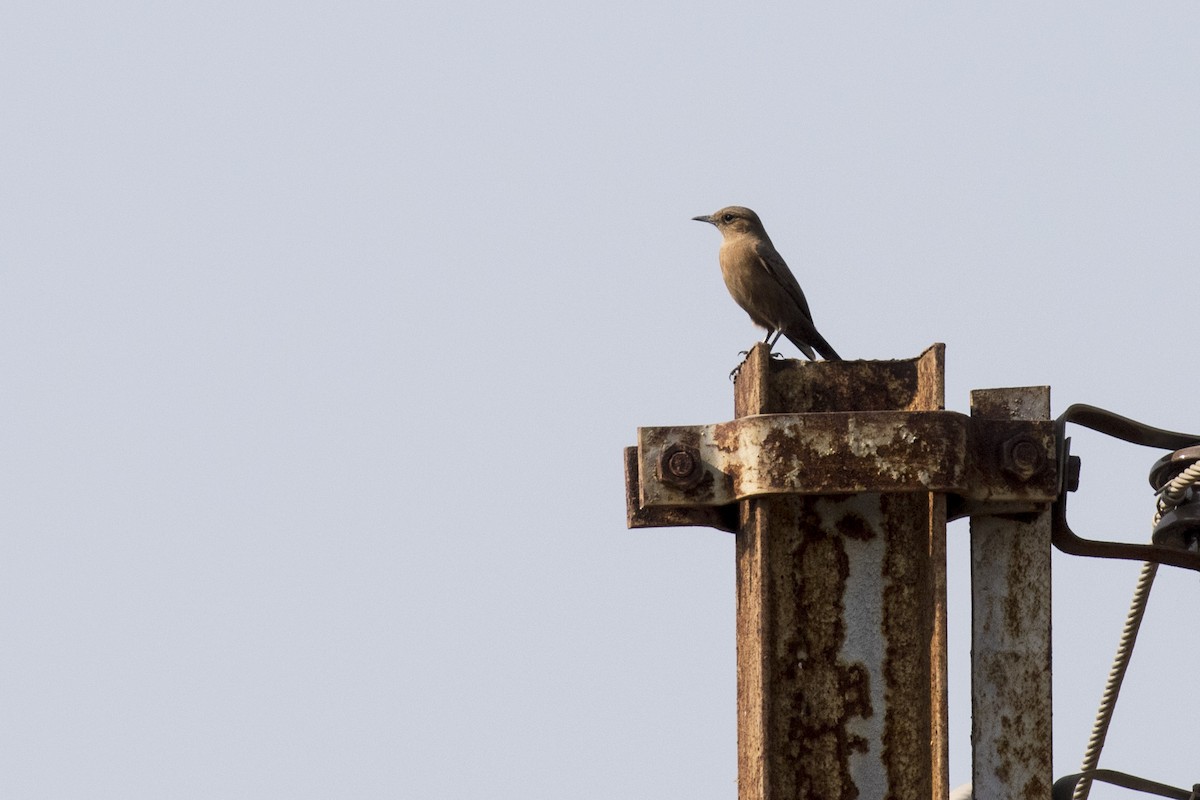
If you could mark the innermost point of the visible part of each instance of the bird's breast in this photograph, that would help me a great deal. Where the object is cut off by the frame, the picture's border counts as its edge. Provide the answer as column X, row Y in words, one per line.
column 752, row 285
column 741, row 268
column 748, row 282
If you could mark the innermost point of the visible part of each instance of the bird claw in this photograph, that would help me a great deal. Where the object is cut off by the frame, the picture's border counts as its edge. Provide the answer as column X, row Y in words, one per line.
column 733, row 374
column 745, row 354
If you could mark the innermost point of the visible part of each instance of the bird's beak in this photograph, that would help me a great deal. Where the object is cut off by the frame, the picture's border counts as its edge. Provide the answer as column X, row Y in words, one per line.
column 707, row 219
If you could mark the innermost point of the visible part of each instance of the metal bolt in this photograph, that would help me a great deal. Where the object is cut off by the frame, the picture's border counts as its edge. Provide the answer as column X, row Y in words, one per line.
column 680, row 466
column 1023, row 457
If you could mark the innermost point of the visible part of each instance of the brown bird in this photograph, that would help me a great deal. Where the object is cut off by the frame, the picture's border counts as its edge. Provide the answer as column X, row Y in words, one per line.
column 761, row 283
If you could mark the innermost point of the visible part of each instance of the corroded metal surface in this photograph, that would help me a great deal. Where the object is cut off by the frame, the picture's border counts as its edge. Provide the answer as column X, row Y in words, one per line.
column 840, row 676
column 838, row 479
column 1010, row 647
column 978, row 460
column 724, row 518
column 773, row 386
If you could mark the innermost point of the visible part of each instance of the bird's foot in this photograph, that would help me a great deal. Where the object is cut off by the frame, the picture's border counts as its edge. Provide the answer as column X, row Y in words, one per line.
column 734, row 373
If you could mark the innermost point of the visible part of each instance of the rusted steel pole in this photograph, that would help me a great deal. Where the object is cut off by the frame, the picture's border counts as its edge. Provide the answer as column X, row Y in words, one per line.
column 841, row 606
column 1010, row 626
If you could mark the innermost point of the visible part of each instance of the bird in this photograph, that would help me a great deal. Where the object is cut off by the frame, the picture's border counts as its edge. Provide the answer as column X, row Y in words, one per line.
column 761, row 283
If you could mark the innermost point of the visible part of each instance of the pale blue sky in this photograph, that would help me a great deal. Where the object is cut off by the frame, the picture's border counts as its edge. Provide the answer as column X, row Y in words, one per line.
column 323, row 327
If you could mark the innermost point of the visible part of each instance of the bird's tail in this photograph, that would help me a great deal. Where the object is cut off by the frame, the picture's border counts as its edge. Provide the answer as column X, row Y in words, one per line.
column 810, row 340
column 826, row 351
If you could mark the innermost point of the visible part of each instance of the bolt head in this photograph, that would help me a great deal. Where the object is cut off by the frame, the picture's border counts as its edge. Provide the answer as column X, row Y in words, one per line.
column 1023, row 457
column 680, row 466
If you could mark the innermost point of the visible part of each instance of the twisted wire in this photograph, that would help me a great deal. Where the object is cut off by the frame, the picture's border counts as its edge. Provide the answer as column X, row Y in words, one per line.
column 1170, row 496
column 1108, row 702
column 1176, row 490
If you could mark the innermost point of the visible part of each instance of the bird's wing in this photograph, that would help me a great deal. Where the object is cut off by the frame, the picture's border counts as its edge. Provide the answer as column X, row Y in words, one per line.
column 774, row 264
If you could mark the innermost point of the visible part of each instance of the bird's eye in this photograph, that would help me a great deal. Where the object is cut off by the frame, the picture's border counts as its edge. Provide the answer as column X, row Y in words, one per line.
column 727, row 218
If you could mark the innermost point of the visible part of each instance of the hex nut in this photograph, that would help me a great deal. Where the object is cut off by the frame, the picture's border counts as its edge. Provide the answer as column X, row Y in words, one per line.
column 1023, row 457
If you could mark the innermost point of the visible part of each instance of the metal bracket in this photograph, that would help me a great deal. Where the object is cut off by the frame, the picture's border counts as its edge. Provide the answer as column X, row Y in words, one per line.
column 1064, row 787
column 1129, row 430
column 694, row 475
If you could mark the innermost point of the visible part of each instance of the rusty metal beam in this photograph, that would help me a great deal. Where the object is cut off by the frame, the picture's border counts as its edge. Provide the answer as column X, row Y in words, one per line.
column 840, row 606
column 1010, row 632
column 838, row 479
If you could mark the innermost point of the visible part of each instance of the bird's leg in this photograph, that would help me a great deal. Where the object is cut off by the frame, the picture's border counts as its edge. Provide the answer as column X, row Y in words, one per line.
column 771, row 340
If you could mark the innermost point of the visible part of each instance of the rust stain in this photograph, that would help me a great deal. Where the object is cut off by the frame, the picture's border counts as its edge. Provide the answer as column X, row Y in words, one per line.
column 861, row 385
column 798, row 697
column 725, row 437
column 815, row 692
column 853, row 526
column 1022, row 609
column 908, row 628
